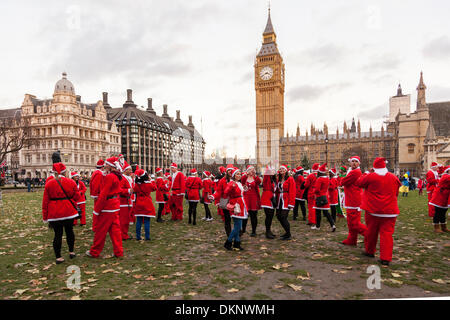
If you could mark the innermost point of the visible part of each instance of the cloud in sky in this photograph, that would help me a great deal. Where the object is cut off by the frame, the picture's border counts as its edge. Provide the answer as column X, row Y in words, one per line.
column 437, row 48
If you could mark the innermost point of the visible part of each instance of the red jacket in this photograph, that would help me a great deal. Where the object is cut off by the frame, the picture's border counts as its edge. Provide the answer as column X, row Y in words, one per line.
column 162, row 187
column 321, row 189
column 96, row 183
column 108, row 200
column 286, row 194
column 298, row 183
column 143, row 207
column 268, row 192
column 219, row 193
column 82, row 190
column 178, row 185
column 309, row 183
column 235, row 192
column 126, row 185
column 381, row 194
column 441, row 193
column 50, row 177
column 352, row 193
column 193, row 186
column 333, row 191
column 207, row 185
column 432, row 178
column 252, row 196
column 55, row 205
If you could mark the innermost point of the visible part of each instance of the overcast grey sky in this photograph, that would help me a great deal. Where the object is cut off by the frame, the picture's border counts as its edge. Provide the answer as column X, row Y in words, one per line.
column 343, row 58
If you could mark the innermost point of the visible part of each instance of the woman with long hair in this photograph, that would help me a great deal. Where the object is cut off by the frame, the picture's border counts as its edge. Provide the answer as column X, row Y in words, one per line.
column 219, row 196
column 268, row 199
column 143, row 208
column 285, row 195
column 251, row 183
column 237, row 208
column 162, row 190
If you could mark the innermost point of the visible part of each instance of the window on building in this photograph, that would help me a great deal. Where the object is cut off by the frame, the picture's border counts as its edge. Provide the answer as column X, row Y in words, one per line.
column 411, row 147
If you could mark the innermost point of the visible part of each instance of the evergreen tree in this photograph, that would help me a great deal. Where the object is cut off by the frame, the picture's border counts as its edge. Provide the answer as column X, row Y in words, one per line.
column 305, row 162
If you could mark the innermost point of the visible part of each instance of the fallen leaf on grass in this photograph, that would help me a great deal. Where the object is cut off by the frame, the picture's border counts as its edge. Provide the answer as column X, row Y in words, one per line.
column 303, row 278
column 178, row 274
column 75, row 298
column 20, row 291
column 339, row 271
column 150, row 278
column 395, row 281
column 107, row 271
column 258, row 271
column 232, row 290
column 137, row 276
column 396, row 275
column 118, row 298
column 440, row 281
column 89, row 272
column 278, row 286
column 295, row 287
column 192, row 294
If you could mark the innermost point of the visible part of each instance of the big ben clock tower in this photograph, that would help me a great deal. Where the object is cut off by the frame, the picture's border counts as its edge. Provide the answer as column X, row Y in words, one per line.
column 269, row 86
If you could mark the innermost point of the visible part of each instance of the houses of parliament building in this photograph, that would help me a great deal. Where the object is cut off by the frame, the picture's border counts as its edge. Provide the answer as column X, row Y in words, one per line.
column 409, row 141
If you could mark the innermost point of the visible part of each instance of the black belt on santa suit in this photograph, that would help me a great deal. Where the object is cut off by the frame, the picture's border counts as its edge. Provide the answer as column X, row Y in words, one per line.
column 58, row 199
column 111, row 197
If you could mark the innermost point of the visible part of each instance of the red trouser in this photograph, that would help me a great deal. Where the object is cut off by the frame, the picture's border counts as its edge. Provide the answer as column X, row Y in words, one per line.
column 220, row 213
column 311, row 210
column 107, row 223
column 176, row 206
column 94, row 217
column 124, row 218
column 355, row 227
column 430, row 207
column 385, row 227
column 83, row 215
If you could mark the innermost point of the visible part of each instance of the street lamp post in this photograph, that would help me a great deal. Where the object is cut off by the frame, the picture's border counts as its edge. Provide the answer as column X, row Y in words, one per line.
column 326, row 150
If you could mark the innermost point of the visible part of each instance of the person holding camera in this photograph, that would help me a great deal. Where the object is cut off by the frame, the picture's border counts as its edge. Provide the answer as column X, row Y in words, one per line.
column 59, row 209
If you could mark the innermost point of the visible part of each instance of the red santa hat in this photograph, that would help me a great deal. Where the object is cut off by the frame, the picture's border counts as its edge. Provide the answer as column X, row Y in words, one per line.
column 193, row 171
column 315, row 167
column 167, row 174
column 354, row 158
column 100, row 163
column 333, row 171
column 323, row 168
column 447, row 169
column 158, row 170
column 283, row 166
column 230, row 167
column 113, row 162
column 434, row 165
column 235, row 170
column 298, row 169
column 59, row 167
column 441, row 169
column 126, row 166
column 206, row 173
column 74, row 174
column 379, row 166
column 249, row 167
column 140, row 172
column 174, row 165
column 222, row 169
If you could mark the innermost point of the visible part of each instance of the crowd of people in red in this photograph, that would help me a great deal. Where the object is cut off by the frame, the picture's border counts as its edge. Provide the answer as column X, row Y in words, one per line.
column 123, row 197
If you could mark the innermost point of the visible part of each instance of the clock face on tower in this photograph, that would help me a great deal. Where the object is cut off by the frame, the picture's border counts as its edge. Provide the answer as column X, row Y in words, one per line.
column 266, row 73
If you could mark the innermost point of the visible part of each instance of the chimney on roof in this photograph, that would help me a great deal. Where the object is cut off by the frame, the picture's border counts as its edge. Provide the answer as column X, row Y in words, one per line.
column 165, row 114
column 78, row 98
column 178, row 119
column 150, row 106
column 190, row 124
column 105, row 101
column 129, row 102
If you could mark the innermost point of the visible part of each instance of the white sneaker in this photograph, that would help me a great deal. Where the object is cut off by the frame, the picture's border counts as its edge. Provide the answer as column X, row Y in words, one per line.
column 315, row 228
column 204, row 219
column 210, row 219
column 88, row 253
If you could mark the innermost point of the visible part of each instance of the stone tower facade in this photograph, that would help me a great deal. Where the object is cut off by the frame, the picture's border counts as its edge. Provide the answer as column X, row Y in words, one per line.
column 269, row 86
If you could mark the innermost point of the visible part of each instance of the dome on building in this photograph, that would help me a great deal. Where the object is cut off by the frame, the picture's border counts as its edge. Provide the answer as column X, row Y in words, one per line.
column 64, row 85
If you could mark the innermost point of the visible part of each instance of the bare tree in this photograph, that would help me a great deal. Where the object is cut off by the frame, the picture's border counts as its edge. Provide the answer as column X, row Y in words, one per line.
column 15, row 134
column 357, row 151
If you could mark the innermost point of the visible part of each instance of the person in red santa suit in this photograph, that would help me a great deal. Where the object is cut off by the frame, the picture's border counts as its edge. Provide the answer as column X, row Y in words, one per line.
column 58, row 209
column 95, row 184
column 285, row 199
column 143, row 207
column 268, row 201
column 216, row 180
column 432, row 179
column 299, row 201
column 381, row 192
column 322, row 204
column 352, row 202
column 207, row 185
column 168, row 179
column 178, row 188
column 82, row 203
column 309, row 190
column 219, row 194
column 252, row 197
column 162, row 189
column 106, row 208
column 333, row 197
column 234, row 190
column 440, row 201
column 126, row 204
column 193, row 186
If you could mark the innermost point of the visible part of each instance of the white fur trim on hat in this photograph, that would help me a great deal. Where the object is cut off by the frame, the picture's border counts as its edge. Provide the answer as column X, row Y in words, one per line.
column 381, row 171
column 356, row 159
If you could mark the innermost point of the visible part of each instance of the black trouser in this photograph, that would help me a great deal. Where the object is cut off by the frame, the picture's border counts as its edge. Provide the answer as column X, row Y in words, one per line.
column 302, row 206
column 333, row 213
column 227, row 222
column 207, row 211
column 192, row 211
column 440, row 215
column 160, row 210
column 319, row 217
column 282, row 216
column 253, row 220
column 59, row 227
column 269, row 216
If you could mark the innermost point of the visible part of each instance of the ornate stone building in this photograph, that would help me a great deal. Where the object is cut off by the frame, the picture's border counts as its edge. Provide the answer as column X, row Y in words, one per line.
column 269, row 86
column 81, row 131
column 152, row 141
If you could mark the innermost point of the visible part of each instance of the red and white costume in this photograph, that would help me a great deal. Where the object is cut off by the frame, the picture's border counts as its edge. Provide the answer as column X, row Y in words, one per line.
column 178, row 188
column 95, row 184
column 82, row 202
column 285, row 194
column 333, row 190
column 252, row 196
column 235, row 192
column 352, row 202
column 126, row 204
column 107, row 208
column 381, row 192
column 311, row 198
column 321, row 189
column 207, row 185
column 299, row 180
column 193, row 186
column 143, row 207
column 432, row 178
column 442, row 192
column 268, row 191
column 162, row 188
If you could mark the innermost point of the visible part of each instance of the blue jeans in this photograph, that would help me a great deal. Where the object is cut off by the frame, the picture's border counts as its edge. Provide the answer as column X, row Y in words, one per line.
column 146, row 227
column 235, row 232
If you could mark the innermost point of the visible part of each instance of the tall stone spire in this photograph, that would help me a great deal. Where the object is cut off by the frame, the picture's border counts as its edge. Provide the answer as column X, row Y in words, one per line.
column 298, row 130
column 353, row 128
column 269, row 26
column 399, row 91
column 421, row 101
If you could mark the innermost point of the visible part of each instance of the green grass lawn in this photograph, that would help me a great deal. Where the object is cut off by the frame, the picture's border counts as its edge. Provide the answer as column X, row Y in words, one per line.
column 189, row 262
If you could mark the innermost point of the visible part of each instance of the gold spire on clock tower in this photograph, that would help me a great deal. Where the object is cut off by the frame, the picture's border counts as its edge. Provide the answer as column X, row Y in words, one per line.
column 269, row 87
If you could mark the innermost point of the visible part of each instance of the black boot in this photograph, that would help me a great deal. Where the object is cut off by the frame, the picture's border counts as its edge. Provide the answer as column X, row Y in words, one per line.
column 228, row 245
column 270, row 235
column 237, row 245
